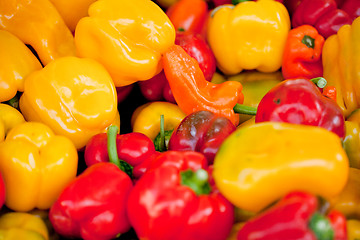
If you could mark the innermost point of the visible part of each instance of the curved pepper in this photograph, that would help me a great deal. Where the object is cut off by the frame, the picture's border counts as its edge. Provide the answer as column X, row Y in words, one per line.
column 351, row 140
column 36, row 165
column 302, row 53
column 17, row 62
column 185, row 76
column 9, row 118
column 341, row 58
column 299, row 101
column 322, row 14
column 353, row 227
column 173, row 200
column 38, row 23
column 233, row 35
column 18, row 225
column 201, row 131
column 129, row 46
column 146, row 118
column 74, row 97
column 253, row 173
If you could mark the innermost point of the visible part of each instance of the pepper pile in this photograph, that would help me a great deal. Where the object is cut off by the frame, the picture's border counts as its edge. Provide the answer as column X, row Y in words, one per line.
column 180, row 119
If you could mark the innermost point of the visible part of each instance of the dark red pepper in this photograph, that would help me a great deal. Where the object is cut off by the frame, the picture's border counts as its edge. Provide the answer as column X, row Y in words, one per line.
column 295, row 217
column 201, row 131
column 174, row 200
column 123, row 92
column 300, row 101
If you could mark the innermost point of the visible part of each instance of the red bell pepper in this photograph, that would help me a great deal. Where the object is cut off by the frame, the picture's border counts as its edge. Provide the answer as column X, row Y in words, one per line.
column 93, row 206
column 201, row 131
column 322, row 14
column 299, row 101
column 174, row 200
column 123, row 92
column 295, row 217
column 352, row 7
column 302, row 53
column 2, row 191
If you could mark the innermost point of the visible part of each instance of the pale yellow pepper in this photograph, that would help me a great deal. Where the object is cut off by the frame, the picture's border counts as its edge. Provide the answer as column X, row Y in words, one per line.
column 258, row 164
column 128, row 37
column 19, row 225
column 250, row 35
column 16, row 61
column 39, row 24
column 36, row 165
column 75, row 97
column 9, row 118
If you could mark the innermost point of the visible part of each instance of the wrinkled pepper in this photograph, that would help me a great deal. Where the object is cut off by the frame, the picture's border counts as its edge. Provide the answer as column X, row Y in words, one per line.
column 174, row 200
column 289, row 156
column 185, row 76
column 352, row 7
column 201, row 131
column 36, row 165
column 38, row 23
column 75, row 97
column 19, row 225
column 302, row 53
column 17, row 62
column 351, row 140
column 91, row 209
column 341, row 62
column 295, row 217
column 9, row 118
column 234, row 50
column 127, row 37
column 300, row 101
column 321, row 14
column 146, row 118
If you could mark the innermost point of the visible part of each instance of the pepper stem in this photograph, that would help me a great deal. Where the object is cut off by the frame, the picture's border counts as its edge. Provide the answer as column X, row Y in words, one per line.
column 235, row 2
column 196, row 180
column 308, row 41
column 321, row 227
column 320, row 82
column 243, row 109
column 162, row 134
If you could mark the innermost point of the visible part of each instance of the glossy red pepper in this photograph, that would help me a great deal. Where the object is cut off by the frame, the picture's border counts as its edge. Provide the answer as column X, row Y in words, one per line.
column 173, row 200
column 93, row 206
column 123, row 92
column 201, row 131
column 295, row 217
column 299, row 101
column 322, row 14
column 2, row 191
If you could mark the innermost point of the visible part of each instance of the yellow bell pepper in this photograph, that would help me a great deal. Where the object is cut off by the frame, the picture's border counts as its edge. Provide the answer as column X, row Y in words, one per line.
column 9, row 117
column 16, row 61
column 36, row 165
column 341, row 63
column 146, row 118
column 259, row 164
column 75, row 97
column 18, row 225
column 250, row 35
column 38, row 23
column 128, row 37
column 352, row 138
column 72, row 11
column 353, row 229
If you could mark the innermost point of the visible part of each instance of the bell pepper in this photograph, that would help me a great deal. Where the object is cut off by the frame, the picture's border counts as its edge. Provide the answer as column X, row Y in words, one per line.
column 17, row 62
column 302, row 53
column 234, row 50
column 201, row 131
column 146, row 118
column 72, row 11
column 123, row 92
column 91, row 209
column 341, row 65
column 353, row 227
column 295, row 216
column 351, row 140
column 75, row 97
column 189, row 16
column 38, row 23
column 174, row 200
column 2, row 191
column 252, row 173
column 36, row 165
column 352, row 7
column 185, row 76
column 9, row 118
column 129, row 46
column 299, row 101
column 19, row 225
column 321, row 14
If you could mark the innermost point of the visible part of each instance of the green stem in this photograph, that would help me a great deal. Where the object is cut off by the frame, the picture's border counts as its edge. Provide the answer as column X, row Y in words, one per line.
column 308, row 41
column 162, row 134
column 111, row 145
column 321, row 227
column 197, row 181
column 243, row 109
column 320, row 82
column 235, row 2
